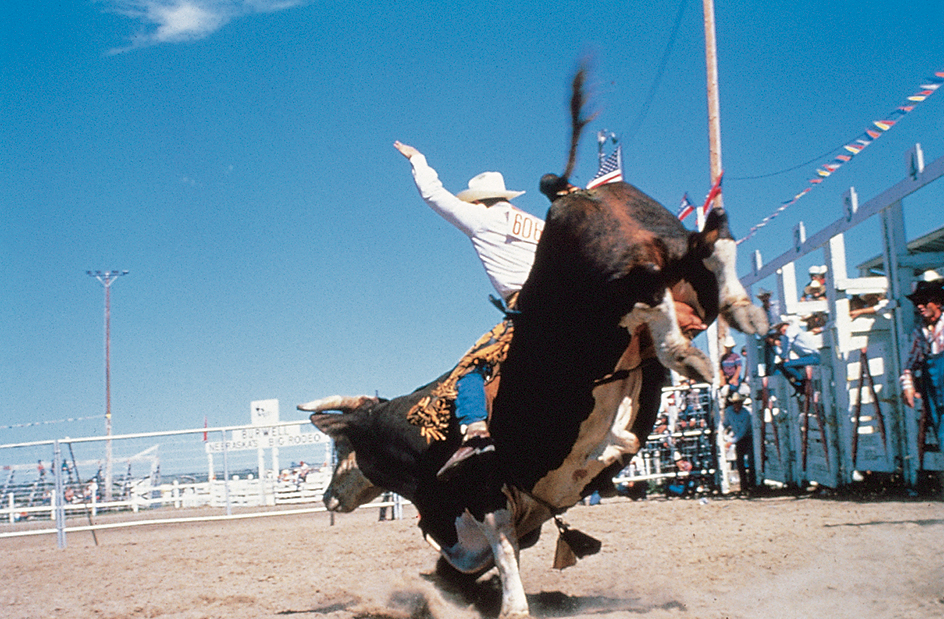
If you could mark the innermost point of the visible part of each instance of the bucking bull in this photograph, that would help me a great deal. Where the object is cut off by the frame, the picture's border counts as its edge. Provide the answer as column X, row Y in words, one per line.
column 618, row 289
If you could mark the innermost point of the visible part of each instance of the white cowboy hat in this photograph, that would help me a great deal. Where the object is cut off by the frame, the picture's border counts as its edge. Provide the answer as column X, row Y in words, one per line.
column 930, row 275
column 487, row 185
column 729, row 342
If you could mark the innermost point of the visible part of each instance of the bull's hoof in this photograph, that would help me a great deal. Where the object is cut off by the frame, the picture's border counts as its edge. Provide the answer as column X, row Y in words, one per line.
column 747, row 318
column 695, row 365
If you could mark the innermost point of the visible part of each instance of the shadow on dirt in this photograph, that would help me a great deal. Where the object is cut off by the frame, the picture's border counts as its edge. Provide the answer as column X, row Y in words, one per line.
column 484, row 595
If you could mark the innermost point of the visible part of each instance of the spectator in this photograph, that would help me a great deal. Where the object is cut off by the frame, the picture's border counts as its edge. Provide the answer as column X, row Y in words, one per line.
column 924, row 376
column 737, row 420
column 815, row 322
column 746, row 379
column 731, row 369
column 771, row 307
column 862, row 304
column 814, row 291
column 797, row 350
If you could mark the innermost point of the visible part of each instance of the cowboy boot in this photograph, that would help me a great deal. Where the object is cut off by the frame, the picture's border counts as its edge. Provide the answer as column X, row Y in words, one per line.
column 475, row 441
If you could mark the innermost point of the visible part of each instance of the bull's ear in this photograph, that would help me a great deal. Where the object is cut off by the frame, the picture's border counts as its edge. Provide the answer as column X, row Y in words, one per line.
column 716, row 226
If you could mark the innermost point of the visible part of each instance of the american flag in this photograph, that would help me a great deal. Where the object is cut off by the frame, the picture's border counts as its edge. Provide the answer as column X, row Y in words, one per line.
column 611, row 170
column 686, row 208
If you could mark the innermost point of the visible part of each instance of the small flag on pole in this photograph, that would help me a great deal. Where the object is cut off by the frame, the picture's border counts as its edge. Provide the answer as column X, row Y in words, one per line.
column 715, row 191
column 686, row 207
column 611, row 169
column 204, row 428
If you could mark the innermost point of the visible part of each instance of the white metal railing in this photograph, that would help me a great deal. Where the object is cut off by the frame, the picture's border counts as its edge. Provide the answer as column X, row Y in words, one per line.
column 55, row 499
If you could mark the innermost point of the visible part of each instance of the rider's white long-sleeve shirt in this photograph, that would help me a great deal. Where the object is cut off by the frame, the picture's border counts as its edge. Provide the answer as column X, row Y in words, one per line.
column 503, row 236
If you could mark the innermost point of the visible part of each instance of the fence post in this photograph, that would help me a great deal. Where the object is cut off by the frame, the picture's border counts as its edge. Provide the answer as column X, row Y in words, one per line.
column 58, row 497
column 229, row 508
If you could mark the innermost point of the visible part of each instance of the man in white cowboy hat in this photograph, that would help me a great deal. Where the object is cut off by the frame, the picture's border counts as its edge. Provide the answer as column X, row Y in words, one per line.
column 731, row 370
column 503, row 236
column 924, row 376
column 797, row 349
column 505, row 239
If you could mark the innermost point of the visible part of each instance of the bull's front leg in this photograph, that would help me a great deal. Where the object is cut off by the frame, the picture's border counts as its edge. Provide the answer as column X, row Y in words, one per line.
column 734, row 303
column 673, row 349
column 499, row 530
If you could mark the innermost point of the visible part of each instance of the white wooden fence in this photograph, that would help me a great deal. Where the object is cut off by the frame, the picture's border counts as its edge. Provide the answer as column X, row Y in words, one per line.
column 858, row 422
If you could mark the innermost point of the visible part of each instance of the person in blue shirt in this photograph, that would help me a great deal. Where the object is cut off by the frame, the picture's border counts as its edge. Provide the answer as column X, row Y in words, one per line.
column 737, row 420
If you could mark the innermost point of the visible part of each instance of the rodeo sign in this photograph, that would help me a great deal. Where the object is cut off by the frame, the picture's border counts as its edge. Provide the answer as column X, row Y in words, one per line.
column 265, row 433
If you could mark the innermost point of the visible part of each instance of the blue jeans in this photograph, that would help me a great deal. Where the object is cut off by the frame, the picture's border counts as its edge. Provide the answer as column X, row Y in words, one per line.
column 795, row 368
column 932, row 391
column 470, row 399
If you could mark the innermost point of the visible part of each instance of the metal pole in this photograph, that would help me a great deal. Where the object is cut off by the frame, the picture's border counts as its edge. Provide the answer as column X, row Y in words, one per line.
column 714, row 113
column 58, row 506
column 714, row 152
column 229, row 507
column 108, row 452
column 106, row 279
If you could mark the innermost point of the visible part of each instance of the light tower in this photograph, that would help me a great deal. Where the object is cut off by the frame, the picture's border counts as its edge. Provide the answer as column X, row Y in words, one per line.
column 107, row 278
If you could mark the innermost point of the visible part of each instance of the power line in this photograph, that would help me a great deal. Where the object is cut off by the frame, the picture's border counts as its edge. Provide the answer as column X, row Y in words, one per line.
column 659, row 74
column 791, row 169
column 49, row 422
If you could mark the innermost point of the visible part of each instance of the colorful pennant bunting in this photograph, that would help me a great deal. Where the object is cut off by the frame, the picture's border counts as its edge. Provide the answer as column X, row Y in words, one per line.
column 857, row 145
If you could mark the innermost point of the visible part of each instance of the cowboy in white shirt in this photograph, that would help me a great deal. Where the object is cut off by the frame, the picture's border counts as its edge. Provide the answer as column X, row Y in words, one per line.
column 505, row 239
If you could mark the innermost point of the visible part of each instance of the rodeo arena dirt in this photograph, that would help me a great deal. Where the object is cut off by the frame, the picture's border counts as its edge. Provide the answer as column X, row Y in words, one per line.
column 716, row 558
column 674, row 544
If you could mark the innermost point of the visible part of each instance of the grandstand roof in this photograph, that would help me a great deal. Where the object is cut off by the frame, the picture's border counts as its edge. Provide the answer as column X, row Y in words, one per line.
column 926, row 252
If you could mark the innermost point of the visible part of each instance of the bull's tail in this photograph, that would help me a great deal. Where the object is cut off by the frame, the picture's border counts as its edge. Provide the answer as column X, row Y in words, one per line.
column 578, row 99
column 554, row 186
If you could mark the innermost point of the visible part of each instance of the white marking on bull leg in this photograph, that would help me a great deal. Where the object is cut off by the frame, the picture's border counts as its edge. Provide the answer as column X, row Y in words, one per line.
column 499, row 529
column 622, row 441
column 672, row 347
column 734, row 303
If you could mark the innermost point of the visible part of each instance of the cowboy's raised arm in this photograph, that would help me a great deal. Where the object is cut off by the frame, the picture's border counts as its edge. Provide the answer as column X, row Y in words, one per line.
column 405, row 149
column 465, row 216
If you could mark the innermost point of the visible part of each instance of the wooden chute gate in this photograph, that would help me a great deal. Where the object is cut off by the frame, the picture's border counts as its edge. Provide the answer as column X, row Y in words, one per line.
column 854, row 420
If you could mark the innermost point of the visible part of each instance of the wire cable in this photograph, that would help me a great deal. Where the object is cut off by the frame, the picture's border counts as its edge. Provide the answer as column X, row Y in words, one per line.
column 634, row 128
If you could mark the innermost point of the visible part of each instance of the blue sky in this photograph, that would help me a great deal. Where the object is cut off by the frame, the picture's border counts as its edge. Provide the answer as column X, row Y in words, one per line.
column 236, row 157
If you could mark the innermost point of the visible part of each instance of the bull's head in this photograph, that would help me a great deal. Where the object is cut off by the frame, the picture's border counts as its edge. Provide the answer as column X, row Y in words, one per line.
column 349, row 487
column 708, row 287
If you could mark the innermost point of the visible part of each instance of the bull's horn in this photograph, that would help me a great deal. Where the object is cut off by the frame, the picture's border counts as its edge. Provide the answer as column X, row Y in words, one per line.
column 343, row 403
